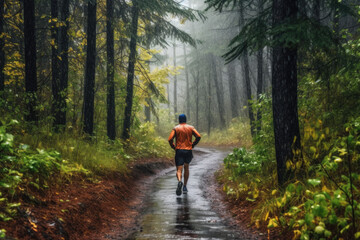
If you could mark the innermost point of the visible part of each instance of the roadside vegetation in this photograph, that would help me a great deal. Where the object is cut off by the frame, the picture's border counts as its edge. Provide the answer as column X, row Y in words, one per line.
column 322, row 199
column 33, row 164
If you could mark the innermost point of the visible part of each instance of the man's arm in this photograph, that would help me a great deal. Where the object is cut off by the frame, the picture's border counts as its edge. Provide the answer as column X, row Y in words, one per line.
column 197, row 138
column 171, row 139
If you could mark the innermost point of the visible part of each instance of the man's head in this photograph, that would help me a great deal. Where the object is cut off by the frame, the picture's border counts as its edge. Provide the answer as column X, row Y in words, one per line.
column 182, row 118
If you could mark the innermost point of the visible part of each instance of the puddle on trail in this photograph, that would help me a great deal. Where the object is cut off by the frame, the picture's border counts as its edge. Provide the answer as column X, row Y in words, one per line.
column 188, row 216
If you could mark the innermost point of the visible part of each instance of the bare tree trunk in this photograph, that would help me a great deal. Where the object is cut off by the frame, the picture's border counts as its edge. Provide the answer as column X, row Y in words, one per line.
column 89, row 91
column 260, row 60
column 220, row 98
column 196, row 81
column 187, row 85
column 209, row 105
column 234, row 100
column 131, row 71
column 30, row 60
column 246, row 70
column 2, row 44
column 110, row 123
column 55, row 64
column 64, row 63
column 175, row 86
column 284, row 94
column 316, row 9
column 168, row 99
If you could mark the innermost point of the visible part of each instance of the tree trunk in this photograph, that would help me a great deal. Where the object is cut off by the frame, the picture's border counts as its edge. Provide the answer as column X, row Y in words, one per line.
column 259, row 85
column 111, row 130
column 30, row 60
column 64, row 62
column 316, row 10
column 284, row 94
column 220, row 99
column 147, row 111
column 246, row 70
column 260, row 74
column 187, row 85
column 209, row 105
column 55, row 64
column 2, row 44
column 89, row 88
column 175, row 86
column 131, row 71
column 233, row 89
column 196, row 81
column 168, row 98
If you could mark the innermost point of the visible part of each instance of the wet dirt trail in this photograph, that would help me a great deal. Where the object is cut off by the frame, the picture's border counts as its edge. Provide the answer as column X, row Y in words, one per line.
column 189, row 216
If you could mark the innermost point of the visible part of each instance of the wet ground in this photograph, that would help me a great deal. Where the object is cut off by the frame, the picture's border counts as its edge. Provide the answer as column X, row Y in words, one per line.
column 189, row 216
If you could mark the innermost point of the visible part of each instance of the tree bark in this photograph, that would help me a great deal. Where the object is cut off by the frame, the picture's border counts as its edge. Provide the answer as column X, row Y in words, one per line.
column 316, row 10
column 284, row 94
column 64, row 62
column 2, row 44
column 111, row 130
column 245, row 59
column 175, row 86
column 220, row 99
column 260, row 75
column 30, row 60
column 131, row 71
column 89, row 88
column 168, row 98
column 187, row 84
column 196, row 81
column 147, row 111
column 233, row 89
column 55, row 64
column 259, row 85
column 209, row 105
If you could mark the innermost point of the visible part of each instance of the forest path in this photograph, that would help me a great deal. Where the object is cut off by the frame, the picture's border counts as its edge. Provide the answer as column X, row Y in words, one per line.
column 189, row 216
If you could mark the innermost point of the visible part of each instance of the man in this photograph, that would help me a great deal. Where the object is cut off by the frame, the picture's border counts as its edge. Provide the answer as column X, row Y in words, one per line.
column 183, row 147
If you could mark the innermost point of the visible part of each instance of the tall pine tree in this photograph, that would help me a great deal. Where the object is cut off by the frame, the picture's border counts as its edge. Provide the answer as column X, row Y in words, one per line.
column 89, row 88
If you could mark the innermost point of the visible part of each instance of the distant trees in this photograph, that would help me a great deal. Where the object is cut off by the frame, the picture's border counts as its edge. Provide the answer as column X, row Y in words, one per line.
column 219, row 90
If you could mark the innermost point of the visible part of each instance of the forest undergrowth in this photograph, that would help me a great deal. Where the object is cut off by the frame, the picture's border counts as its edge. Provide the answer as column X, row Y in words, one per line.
column 322, row 201
column 32, row 164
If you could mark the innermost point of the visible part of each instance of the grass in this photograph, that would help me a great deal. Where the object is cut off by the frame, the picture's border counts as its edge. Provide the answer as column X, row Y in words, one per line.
column 100, row 155
column 237, row 134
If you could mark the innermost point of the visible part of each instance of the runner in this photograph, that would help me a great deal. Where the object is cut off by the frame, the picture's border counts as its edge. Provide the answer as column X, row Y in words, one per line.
column 183, row 147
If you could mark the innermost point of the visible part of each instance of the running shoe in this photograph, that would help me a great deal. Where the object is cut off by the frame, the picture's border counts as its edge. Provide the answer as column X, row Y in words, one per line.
column 185, row 190
column 179, row 188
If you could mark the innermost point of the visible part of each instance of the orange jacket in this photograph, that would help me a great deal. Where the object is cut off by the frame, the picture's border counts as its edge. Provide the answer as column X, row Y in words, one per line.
column 183, row 134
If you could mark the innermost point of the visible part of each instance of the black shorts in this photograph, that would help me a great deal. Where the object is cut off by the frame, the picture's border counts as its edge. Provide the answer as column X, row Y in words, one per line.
column 183, row 156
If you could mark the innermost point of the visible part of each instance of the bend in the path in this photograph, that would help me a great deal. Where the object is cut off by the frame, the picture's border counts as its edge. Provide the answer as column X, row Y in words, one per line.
column 189, row 216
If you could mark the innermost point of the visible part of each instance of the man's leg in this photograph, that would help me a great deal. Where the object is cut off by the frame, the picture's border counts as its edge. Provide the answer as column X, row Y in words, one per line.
column 179, row 172
column 186, row 173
